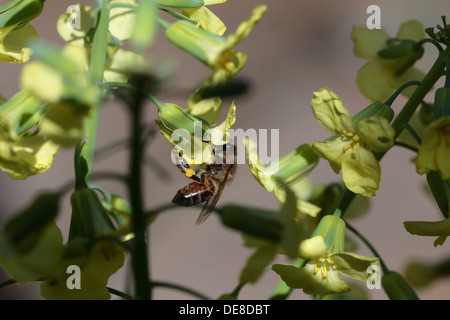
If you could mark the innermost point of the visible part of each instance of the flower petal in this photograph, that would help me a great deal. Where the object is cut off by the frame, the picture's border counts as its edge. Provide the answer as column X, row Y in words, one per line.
column 75, row 34
column 18, row 42
column 430, row 228
column 355, row 266
column 42, row 81
column 375, row 81
column 257, row 169
column 63, row 124
column 206, row 19
column 219, row 134
column 312, row 248
column 361, row 172
column 368, row 41
column 123, row 64
column 39, row 260
column 121, row 20
column 443, row 157
column 207, row 109
column 245, row 27
column 376, row 132
column 411, row 30
column 29, row 156
column 258, row 262
column 426, row 159
column 329, row 111
column 310, row 282
column 333, row 151
column 105, row 258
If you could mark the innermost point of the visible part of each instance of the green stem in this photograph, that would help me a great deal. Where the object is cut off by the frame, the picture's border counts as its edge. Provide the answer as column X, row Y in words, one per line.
column 432, row 41
column 139, row 257
column 419, row 94
column 237, row 290
column 413, row 133
column 369, row 245
column 152, row 98
column 96, row 70
column 7, row 283
column 178, row 15
column 179, row 288
column 447, row 72
column 119, row 293
column 400, row 90
column 406, row 146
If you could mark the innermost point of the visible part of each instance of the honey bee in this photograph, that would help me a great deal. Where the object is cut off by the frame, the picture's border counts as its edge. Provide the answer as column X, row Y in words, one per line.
column 209, row 180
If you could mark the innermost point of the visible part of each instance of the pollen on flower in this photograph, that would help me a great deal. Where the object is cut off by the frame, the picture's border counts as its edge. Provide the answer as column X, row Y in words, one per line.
column 189, row 172
column 323, row 264
column 225, row 60
column 354, row 143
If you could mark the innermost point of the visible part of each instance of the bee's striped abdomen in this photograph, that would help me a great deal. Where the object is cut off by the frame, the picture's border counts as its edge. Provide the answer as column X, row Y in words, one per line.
column 192, row 194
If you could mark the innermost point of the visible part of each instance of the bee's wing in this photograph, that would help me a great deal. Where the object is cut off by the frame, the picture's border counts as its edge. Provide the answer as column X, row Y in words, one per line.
column 211, row 203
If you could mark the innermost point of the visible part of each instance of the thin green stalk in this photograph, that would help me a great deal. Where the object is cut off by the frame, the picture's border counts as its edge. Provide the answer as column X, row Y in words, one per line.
column 413, row 133
column 369, row 245
column 96, row 70
column 406, row 146
column 433, row 42
column 120, row 294
column 419, row 94
column 152, row 98
column 179, row 288
column 400, row 90
column 7, row 283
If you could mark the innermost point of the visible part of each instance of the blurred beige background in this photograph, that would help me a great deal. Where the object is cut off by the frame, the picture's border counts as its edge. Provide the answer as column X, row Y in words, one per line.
column 298, row 47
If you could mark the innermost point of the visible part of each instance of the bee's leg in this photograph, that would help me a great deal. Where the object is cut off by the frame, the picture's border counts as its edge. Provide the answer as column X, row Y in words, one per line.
column 183, row 165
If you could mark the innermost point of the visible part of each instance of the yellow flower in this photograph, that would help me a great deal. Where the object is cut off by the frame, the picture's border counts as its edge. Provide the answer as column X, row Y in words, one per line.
column 378, row 78
column 63, row 124
column 65, row 87
column 31, row 243
column 205, row 18
column 351, row 151
column 193, row 136
column 214, row 51
column 14, row 44
column 434, row 152
column 16, row 35
column 325, row 261
column 120, row 64
column 288, row 171
column 23, row 154
column 97, row 262
column 90, row 247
